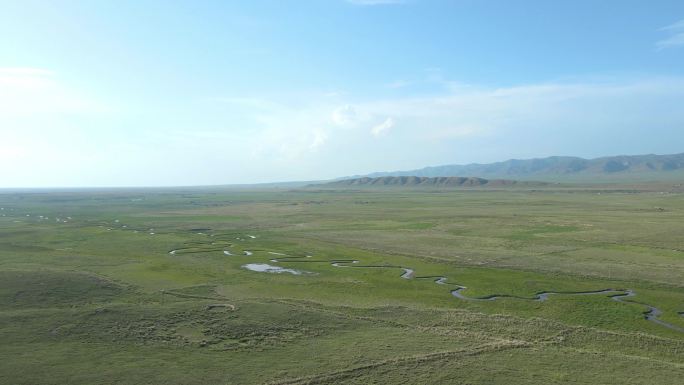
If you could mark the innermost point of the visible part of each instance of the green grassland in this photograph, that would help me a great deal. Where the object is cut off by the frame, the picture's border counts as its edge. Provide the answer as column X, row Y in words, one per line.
column 134, row 287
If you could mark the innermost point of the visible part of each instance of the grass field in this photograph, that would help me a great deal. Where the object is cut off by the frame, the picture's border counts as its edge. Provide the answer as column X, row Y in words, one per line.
column 136, row 287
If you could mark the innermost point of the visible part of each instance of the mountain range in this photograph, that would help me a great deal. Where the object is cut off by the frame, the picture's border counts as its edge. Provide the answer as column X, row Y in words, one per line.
column 558, row 168
column 417, row 181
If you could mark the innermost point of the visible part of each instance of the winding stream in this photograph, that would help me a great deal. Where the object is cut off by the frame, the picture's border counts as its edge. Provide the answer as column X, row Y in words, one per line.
column 652, row 313
column 618, row 295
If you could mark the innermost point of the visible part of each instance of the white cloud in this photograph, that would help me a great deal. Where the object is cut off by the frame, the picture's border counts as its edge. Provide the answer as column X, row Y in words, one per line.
column 676, row 37
column 318, row 140
column 289, row 133
column 678, row 26
column 344, row 116
column 311, row 132
column 246, row 139
column 382, row 128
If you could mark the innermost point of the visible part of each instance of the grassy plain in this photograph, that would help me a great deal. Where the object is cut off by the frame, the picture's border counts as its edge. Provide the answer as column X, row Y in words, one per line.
column 96, row 296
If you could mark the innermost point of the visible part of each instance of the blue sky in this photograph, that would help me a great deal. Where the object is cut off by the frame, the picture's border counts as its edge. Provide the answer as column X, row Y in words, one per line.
column 132, row 93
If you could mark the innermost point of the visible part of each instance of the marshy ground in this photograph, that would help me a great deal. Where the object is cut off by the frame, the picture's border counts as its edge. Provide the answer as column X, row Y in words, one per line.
column 150, row 286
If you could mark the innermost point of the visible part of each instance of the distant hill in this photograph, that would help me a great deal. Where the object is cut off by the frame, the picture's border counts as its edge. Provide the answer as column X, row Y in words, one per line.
column 557, row 168
column 416, row 181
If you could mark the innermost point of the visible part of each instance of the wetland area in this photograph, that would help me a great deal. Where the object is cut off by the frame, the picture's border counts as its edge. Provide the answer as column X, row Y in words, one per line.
column 578, row 285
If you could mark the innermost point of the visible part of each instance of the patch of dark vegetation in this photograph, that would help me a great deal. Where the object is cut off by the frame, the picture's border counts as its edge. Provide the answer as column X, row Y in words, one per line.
column 671, row 165
column 529, row 233
column 615, row 166
column 6, row 246
column 207, row 291
column 576, row 165
column 212, row 326
column 28, row 289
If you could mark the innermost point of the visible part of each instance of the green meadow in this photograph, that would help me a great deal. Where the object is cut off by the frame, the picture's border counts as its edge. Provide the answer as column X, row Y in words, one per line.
column 149, row 286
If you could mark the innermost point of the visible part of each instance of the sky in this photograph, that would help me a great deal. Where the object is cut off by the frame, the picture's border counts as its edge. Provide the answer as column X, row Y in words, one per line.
column 169, row 93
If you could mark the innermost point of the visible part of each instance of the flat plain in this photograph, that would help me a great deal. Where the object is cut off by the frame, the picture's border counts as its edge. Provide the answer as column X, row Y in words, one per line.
column 551, row 285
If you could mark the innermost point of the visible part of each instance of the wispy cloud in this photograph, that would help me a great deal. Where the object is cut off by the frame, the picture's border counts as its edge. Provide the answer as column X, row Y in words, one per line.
column 343, row 116
column 398, row 84
column 287, row 138
column 14, row 78
column 305, row 135
column 676, row 37
column 246, row 102
column 24, row 71
column 382, row 128
column 32, row 91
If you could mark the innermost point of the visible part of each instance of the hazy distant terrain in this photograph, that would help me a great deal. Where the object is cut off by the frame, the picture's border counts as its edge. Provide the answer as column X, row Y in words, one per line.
column 555, row 168
column 416, row 181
